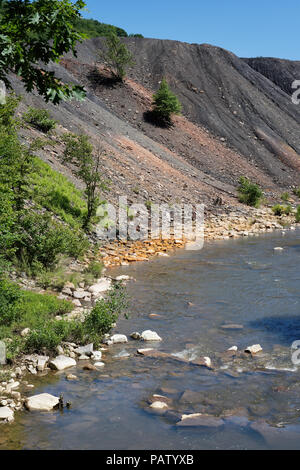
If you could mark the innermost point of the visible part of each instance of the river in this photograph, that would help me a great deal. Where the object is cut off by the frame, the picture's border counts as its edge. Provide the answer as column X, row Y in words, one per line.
column 194, row 294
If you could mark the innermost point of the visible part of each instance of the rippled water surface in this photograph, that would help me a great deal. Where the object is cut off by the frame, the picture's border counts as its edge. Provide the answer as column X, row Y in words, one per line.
column 194, row 293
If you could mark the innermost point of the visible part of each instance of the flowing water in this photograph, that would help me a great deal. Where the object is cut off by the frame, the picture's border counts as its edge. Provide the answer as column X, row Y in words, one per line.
column 194, row 294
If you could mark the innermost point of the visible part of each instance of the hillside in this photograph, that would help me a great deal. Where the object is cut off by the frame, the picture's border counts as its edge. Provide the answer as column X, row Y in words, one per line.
column 236, row 121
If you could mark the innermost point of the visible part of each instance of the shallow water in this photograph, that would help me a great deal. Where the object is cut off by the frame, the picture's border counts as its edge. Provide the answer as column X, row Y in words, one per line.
column 236, row 281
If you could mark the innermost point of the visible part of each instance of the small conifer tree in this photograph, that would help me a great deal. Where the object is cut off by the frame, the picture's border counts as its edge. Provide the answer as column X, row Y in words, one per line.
column 165, row 103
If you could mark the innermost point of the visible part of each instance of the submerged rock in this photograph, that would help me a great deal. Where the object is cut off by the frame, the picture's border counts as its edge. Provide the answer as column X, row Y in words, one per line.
column 42, row 402
column 198, row 419
column 159, row 405
column 136, row 335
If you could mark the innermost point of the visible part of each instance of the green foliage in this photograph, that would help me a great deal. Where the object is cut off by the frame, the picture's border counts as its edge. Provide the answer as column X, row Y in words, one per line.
column 298, row 214
column 95, row 268
column 165, row 103
column 10, row 295
column 105, row 313
column 93, row 28
column 29, row 235
column 42, row 240
column 38, row 311
column 285, row 197
column 35, row 33
column 279, row 210
column 249, row 193
column 79, row 152
column 296, row 191
column 40, row 119
column 117, row 56
column 56, row 193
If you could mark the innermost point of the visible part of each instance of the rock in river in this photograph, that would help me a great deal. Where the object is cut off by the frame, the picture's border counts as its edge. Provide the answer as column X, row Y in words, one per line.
column 255, row 348
column 149, row 335
column 42, row 402
column 6, row 414
column 198, row 419
column 119, row 339
column 62, row 362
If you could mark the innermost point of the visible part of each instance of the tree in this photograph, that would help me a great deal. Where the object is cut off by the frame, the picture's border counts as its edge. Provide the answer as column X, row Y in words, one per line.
column 165, row 103
column 79, row 152
column 34, row 33
column 117, row 56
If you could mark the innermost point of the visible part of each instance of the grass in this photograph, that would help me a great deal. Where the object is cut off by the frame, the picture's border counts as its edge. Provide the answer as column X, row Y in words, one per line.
column 38, row 313
column 56, row 193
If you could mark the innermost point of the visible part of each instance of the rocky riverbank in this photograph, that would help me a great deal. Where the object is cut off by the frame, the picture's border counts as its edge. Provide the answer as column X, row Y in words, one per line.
column 15, row 386
column 218, row 227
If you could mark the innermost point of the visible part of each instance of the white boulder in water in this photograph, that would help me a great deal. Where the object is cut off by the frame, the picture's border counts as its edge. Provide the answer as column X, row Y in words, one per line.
column 255, row 348
column 149, row 335
column 62, row 362
column 42, row 402
column 119, row 339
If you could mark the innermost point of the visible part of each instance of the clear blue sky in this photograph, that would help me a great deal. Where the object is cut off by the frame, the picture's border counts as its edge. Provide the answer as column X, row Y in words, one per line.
column 249, row 28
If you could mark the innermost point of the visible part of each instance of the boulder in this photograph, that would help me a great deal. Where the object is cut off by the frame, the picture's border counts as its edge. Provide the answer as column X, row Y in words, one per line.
column 119, row 339
column 102, row 285
column 149, row 335
column 62, row 362
column 123, row 277
column 85, row 350
column 79, row 294
column 158, row 405
column 25, row 332
column 42, row 402
column 135, row 335
column 198, row 419
column 254, row 349
column 6, row 414
column 96, row 356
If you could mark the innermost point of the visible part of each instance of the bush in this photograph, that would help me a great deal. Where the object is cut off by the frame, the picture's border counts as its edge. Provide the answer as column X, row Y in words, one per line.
column 105, row 313
column 285, row 197
column 298, row 214
column 279, row 210
column 249, row 193
column 10, row 295
column 40, row 119
column 165, row 103
column 296, row 191
column 95, row 268
column 42, row 240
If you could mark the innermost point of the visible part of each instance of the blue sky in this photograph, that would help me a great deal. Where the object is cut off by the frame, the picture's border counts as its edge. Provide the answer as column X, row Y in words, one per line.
column 249, row 28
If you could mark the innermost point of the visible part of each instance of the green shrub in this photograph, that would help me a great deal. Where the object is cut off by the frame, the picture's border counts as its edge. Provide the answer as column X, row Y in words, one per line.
column 296, row 191
column 105, row 313
column 10, row 295
column 279, row 210
column 249, row 193
column 285, row 197
column 40, row 119
column 298, row 214
column 42, row 240
column 95, row 268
